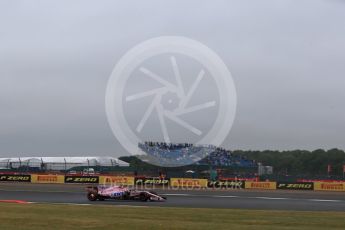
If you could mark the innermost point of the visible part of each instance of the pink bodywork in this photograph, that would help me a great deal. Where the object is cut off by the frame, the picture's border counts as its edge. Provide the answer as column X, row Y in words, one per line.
column 113, row 191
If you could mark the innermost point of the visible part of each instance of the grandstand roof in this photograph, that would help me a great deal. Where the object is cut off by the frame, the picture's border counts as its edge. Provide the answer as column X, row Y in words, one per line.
column 70, row 160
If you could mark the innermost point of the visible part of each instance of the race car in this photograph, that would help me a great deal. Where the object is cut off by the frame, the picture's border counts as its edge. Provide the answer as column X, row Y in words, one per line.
column 121, row 193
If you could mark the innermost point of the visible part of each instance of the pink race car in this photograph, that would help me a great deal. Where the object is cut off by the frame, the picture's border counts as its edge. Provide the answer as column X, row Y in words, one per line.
column 121, row 193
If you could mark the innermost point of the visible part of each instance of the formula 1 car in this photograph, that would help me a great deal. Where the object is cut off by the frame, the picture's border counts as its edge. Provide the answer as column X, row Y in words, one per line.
column 121, row 193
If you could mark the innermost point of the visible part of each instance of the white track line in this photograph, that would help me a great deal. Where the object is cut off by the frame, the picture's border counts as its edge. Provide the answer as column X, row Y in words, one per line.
column 83, row 204
column 219, row 196
column 177, row 194
column 62, row 203
column 48, row 191
column 271, row 198
column 250, row 197
column 319, row 200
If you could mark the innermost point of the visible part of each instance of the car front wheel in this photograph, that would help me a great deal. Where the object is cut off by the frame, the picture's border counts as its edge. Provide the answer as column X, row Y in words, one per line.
column 92, row 196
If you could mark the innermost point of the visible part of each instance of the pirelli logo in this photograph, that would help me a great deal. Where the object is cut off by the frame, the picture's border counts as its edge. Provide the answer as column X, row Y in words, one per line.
column 47, row 179
column 186, row 182
column 82, row 179
column 332, row 186
column 116, row 180
column 329, row 186
column 15, row 178
column 260, row 185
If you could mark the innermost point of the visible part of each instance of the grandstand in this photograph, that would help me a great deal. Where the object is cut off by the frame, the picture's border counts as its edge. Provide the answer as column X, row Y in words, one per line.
column 57, row 163
column 173, row 155
column 169, row 154
column 224, row 158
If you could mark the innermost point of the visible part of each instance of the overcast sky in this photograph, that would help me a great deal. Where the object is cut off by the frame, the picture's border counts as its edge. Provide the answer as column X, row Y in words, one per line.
column 287, row 59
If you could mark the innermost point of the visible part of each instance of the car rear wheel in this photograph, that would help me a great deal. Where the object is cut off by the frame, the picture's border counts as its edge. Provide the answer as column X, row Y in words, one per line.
column 143, row 197
column 126, row 196
column 92, row 196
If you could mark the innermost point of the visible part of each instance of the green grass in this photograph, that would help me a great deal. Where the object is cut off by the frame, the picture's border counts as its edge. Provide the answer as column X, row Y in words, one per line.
column 44, row 216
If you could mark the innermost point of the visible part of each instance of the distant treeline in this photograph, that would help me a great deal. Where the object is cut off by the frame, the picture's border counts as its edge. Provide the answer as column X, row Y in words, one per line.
column 299, row 161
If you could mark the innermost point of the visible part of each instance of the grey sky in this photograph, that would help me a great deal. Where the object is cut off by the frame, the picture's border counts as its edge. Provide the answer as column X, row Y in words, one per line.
column 287, row 59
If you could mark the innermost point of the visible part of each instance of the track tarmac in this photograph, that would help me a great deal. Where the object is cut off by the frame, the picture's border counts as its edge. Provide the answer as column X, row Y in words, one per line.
column 235, row 199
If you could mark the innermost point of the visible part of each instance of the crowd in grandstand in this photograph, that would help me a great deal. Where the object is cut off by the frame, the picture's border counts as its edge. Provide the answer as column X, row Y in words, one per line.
column 169, row 146
column 223, row 157
column 188, row 153
column 174, row 154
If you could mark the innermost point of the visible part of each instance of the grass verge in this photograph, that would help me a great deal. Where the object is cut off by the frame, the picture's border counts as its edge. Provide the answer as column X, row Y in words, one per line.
column 51, row 216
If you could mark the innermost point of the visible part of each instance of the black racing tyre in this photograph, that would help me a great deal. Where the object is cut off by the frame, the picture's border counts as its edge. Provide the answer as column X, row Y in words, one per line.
column 143, row 197
column 92, row 196
column 126, row 196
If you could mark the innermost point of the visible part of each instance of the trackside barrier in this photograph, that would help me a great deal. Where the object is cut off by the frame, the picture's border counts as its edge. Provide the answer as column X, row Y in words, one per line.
column 172, row 182
column 117, row 180
column 188, row 183
column 261, row 185
column 47, row 179
column 329, row 186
